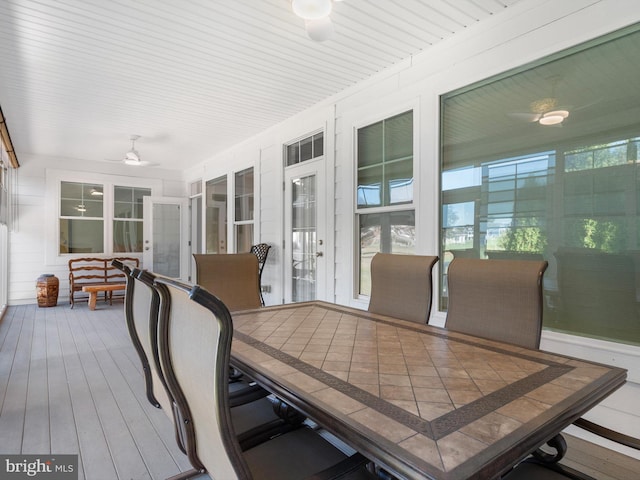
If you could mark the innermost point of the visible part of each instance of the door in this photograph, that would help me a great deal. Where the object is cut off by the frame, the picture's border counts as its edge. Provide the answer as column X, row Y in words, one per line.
column 304, row 261
column 166, row 236
column 196, row 234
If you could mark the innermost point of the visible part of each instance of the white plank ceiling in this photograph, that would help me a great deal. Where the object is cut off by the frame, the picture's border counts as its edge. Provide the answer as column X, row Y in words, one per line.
column 192, row 78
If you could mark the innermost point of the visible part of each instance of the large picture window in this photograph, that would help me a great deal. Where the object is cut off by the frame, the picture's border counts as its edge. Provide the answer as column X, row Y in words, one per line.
column 542, row 163
column 383, row 192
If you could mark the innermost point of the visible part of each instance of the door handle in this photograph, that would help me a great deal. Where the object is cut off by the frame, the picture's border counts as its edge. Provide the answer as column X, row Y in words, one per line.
column 319, row 254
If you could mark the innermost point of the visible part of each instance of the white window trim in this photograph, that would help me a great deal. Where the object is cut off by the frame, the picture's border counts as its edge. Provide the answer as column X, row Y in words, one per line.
column 52, row 208
column 361, row 301
column 288, row 143
column 231, row 192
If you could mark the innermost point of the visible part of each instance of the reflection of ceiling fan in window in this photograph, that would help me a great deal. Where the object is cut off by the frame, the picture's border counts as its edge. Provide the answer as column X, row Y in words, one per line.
column 545, row 111
column 132, row 157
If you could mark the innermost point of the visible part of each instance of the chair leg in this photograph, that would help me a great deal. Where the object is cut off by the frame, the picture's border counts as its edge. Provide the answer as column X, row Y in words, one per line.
column 188, row 474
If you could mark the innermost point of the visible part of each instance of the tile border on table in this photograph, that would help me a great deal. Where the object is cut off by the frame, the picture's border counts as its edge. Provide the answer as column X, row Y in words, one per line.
column 441, row 426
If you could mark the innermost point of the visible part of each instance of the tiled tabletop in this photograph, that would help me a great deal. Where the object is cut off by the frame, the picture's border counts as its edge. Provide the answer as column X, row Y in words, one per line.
column 424, row 402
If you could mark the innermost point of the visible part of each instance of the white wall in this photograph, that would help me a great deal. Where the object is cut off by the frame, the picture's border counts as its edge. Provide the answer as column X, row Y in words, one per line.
column 523, row 33
column 32, row 233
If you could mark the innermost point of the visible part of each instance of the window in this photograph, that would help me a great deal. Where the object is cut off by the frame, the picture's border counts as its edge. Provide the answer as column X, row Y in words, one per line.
column 94, row 214
column 127, row 223
column 196, row 216
column 384, row 189
column 392, row 232
column 514, row 186
column 4, row 189
column 81, row 218
column 244, row 210
column 306, row 149
column 83, row 215
column 216, row 215
column 385, row 162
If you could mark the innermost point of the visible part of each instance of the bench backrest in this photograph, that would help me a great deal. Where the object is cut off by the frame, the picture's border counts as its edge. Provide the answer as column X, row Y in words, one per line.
column 95, row 270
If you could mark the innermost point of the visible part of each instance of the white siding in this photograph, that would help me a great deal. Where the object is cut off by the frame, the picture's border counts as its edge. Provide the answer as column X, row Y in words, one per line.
column 31, row 236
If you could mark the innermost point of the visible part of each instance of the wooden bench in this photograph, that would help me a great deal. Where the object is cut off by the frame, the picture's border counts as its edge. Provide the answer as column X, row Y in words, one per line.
column 96, row 272
column 93, row 291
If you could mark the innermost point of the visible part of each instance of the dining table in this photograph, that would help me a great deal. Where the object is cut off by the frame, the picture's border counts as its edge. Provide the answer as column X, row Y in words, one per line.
column 420, row 401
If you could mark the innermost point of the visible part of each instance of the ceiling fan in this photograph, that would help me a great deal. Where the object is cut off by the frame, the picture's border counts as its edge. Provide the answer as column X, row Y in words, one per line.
column 545, row 111
column 132, row 157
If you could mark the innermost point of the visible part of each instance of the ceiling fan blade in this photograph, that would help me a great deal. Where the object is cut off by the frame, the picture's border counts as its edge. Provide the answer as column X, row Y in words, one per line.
column 140, row 163
column 525, row 117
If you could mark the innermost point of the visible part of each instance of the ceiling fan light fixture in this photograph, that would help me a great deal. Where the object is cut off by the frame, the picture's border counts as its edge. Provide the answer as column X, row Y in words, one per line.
column 311, row 9
column 319, row 30
column 560, row 113
column 132, row 157
column 96, row 193
column 132, row 161
column 553, row 118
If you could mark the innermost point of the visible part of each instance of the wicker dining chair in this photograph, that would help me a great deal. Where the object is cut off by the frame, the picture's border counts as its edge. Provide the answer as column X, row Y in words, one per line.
column 261, row 251
column 401, row 286
column 195, row 343
column 496, row 299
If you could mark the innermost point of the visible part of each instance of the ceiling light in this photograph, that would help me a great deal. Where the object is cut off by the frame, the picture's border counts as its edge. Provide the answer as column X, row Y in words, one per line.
column 553, row 118
column 96, row 193
column 132, row 161
column 132, row 155
column 320, row 29
column 81, row 208
column 311, row 9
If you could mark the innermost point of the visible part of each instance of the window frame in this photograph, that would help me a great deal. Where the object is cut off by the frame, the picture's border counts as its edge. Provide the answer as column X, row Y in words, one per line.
column 412, row 107
column 559, row 201
column 125, row 220
column 309, row 136
column 53, row 181
column 238, row 223
column 231, row 223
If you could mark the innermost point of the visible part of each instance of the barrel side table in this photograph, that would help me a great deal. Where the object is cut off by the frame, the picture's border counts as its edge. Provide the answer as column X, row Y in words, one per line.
column 47, row 290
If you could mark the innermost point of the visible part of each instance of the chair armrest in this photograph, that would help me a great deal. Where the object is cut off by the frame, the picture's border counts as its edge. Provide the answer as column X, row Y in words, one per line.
column 607, row 433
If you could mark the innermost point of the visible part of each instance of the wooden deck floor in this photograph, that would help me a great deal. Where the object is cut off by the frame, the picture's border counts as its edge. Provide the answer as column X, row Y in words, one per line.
column 71, row 383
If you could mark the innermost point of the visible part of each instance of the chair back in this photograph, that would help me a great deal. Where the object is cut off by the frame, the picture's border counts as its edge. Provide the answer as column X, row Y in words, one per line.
column 136, row 330
column 496, row 299
column 261, row 251
column 141, row 306
column 195, row 344
column 401, row 286
column 233, row 278
column 145, row 308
